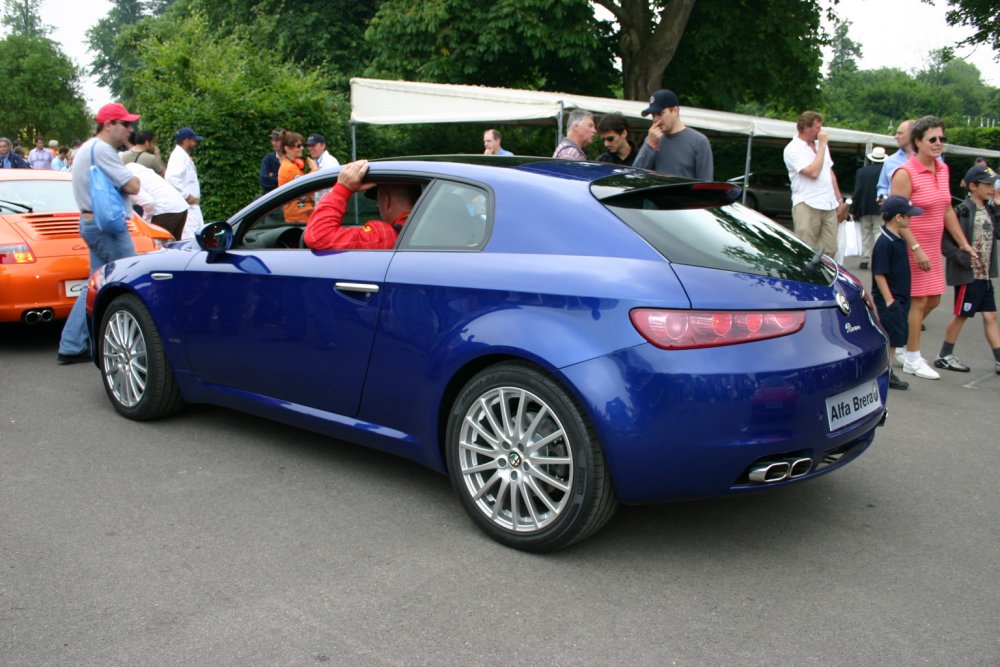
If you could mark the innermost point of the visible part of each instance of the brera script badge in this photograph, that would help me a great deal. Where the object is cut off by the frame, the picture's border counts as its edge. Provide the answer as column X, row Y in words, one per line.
column 849, row 406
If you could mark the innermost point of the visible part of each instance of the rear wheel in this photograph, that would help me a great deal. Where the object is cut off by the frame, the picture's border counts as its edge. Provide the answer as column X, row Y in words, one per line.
column 137, row 376
column 752, row 201
column 526, row 465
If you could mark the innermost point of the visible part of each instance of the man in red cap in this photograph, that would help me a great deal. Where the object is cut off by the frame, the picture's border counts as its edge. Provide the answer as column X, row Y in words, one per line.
column 114, row 124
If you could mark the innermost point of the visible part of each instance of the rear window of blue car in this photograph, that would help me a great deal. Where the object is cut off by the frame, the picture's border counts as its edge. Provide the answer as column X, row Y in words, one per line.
column 695, row 224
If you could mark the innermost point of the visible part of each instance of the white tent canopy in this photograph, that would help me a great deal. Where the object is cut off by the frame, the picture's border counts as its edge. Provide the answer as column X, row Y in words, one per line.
column 380, row 102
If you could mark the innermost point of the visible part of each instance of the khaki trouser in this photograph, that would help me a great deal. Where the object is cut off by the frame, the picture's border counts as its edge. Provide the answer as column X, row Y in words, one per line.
column 816, row 227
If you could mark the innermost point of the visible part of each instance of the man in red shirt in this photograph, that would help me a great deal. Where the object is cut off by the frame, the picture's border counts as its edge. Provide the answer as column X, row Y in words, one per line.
column 325, row 231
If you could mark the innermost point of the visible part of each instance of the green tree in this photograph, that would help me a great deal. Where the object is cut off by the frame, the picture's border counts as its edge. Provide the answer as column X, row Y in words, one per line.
column 327, row 34
column 21, row 18
column 114, row 54
column 845, row 51
column 981, row 16
column 648, row 35
column 739, row 51
column 537, row 44
column 232, row 93
column 43, row 91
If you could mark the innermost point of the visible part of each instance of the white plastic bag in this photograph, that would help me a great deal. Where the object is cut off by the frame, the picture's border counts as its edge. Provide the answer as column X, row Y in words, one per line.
column 852, row 241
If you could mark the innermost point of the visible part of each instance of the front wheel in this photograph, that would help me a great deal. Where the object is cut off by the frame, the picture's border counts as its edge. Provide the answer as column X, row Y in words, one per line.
column 525, row 463
column 137, row 375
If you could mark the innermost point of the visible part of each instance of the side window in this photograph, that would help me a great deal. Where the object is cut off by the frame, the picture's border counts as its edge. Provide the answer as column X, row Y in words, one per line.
column 281, row 224
column 455, row 216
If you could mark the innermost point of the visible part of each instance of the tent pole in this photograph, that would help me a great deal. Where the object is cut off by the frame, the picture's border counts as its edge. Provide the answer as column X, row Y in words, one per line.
column 746, row 167
column 559, row 124
column 354, row 140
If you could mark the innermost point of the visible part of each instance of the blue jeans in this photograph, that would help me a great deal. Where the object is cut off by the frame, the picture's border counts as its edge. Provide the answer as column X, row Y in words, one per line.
column 104, row 247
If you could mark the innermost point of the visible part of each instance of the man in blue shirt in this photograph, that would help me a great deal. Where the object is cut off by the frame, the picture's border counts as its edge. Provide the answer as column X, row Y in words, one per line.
column 8, row 158
column 491, row 143
column 895, row 161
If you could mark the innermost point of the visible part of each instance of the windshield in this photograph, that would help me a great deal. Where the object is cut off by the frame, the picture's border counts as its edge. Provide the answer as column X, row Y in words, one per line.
column 732, row 238
column 39, row 196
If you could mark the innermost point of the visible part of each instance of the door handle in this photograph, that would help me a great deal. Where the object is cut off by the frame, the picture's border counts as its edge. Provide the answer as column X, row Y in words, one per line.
column 364, row 288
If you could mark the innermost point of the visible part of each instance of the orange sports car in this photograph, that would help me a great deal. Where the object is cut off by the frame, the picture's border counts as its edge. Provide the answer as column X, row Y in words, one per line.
column 44, row 264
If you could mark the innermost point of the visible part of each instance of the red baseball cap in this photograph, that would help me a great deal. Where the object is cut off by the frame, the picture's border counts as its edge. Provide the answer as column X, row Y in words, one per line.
column 114, row 111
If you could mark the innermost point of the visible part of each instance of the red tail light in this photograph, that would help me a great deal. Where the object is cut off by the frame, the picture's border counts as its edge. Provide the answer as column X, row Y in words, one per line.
column 689, row 329
column 18, row 253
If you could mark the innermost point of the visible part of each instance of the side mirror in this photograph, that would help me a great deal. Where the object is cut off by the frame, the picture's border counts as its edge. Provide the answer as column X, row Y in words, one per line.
column 215, row 238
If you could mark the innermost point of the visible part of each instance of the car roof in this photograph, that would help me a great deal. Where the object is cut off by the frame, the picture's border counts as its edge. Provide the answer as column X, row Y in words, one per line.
column 34, row 175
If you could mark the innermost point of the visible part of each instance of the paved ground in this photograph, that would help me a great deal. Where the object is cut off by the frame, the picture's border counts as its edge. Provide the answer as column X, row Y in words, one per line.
column 215, row 538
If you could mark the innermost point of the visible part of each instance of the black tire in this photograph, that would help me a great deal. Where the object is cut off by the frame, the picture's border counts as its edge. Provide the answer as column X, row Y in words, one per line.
column 752, row 201
column 137, row 376
column 541, row 483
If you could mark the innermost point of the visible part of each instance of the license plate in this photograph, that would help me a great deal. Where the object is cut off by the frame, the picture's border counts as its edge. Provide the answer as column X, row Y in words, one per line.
column 851, row 405
column 75, row 287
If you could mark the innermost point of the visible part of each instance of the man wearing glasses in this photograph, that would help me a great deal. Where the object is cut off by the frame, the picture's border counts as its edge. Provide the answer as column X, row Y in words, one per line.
column 182, row 174
column 114, row 124
column 671, row 147
column 614, row 135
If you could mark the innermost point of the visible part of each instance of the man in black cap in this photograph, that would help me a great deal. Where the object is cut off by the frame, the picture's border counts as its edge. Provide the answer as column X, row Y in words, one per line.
column 271, row 163
column 671, row 147
column 316, row 143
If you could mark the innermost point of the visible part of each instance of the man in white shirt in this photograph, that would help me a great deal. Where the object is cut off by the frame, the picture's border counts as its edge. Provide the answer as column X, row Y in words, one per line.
column 161, row 204
column 316, row 144
column 182, row 174
column 817, row 207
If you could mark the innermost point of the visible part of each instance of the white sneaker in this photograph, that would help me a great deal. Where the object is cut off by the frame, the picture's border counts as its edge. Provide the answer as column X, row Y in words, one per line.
column 901, row 356
column 921, row 369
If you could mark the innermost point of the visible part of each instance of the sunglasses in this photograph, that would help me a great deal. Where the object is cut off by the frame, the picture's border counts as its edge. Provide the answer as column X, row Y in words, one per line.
column 297, row 146
column 123, row 123
column 934, row 140
column 608, row 140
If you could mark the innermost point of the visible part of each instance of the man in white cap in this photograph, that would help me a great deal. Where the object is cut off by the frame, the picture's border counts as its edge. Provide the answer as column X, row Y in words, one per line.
column 864, row 202
column 182, row 174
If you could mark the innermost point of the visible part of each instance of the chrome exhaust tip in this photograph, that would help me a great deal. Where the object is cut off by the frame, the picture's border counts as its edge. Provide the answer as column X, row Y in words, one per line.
column 768, row 473
column 799, row 467
column 31, row 317
column 46, row 315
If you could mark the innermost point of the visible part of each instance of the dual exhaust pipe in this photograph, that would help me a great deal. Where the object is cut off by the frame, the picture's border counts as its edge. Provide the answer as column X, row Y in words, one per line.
column 37, row 315
column 769, row 472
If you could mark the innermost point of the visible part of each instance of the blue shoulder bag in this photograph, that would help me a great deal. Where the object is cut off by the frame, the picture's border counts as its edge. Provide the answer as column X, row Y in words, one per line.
column 110, row 212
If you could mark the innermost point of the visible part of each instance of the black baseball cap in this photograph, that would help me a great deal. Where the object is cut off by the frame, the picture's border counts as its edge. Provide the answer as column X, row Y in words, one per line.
column 315, row 139
column 660, row 100
column 899, row 205
column 979, row 174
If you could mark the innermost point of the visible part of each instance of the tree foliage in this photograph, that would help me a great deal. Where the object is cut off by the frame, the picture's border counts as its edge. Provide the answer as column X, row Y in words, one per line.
column 538, row 44
column 649, row 32
column 982, row 16
column 114, row 53
column 230, row 92
column 43, row 91
column 21, row 18
column 739, row 51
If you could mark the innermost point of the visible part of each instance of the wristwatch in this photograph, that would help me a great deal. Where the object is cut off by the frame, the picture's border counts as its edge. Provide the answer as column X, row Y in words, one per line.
column 914, row 246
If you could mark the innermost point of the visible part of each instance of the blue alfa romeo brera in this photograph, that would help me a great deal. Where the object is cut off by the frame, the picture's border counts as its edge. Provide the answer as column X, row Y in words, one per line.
column 557, row 337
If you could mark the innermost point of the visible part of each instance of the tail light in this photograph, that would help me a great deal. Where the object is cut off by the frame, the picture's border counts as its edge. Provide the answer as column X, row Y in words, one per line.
column 94, row 286
column 18, row 253
column 690, row 329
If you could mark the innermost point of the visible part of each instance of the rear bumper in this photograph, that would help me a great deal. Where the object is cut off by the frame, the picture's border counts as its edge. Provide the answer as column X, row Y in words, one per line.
column 685, row 425
column 39, row 285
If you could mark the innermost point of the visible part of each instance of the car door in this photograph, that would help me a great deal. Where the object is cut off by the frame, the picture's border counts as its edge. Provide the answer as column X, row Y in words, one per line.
column 275, row 319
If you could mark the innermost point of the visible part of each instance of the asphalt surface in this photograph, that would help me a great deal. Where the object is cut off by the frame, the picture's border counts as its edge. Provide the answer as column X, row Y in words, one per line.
column 217, row 538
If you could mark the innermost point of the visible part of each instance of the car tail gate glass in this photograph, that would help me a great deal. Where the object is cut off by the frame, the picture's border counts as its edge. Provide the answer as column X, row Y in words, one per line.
column 694, row 224
column 691, row 329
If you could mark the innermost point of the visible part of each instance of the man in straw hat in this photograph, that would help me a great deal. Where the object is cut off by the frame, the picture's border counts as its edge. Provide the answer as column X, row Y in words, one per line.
column 864, row 202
